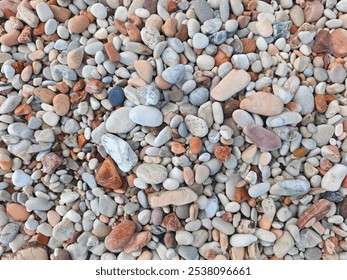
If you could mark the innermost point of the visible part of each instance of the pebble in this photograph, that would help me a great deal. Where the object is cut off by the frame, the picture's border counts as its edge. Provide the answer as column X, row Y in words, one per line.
column 146, row 116
column 116, row 96
column 181, row 196
column 9, row 232
column 120, row 235
column 203, row 10
column 21, row 179
column 151, row 173
column 242, row 240
column 262, row 103
column 323, row 134
column 239, row 78
column 283, row 245
column 119, row 121
column 262, row 137
column 197, row 126
column 174, row 74
column 290, row 187
column 333, row 178
column 200, row 41
column 120, row 151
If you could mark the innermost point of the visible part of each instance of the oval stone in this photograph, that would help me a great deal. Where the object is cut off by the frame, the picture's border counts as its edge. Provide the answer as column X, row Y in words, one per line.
column 284, row 118
column 332, row 180
column 151, row 173
column 263, row 138
column 146, row 115
column 262, row 103
column 290, row 187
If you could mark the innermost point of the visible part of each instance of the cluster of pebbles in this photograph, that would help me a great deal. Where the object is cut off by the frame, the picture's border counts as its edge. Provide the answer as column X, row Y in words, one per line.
column 173, row 129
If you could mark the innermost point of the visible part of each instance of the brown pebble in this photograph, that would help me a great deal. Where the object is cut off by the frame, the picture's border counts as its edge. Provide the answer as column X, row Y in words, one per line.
column 25, row 35
column 5, row 162
column 111, row 51
column 10, row 39
column 195, row 144
column 177, row 148
column 94, row 86
column 108, row 175
column 314, row 213
column 45, row 94
column 61, row 104
column 23, row 109
column 78, row 24
column 169, row 27
column 171, row 222
column 120, row 235
column 222, row 153
column 17, row 212
column 182, row 33
column 137, row 242
column 51, row 162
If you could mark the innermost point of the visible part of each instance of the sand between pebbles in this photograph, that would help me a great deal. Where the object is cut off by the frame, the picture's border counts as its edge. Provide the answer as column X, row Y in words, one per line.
column 163, row 129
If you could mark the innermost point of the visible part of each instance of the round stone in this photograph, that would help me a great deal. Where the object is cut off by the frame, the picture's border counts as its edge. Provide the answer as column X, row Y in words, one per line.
column 61, row 104
column 116, row 96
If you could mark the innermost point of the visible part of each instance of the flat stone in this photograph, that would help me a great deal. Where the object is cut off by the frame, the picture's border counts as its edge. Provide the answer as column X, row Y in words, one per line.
column 338, row 40
column 313, row 10
column 285, row 118
column 107, row 206
column 45, row 94
column 21, row 179
column 290, row 187
column 258, row 189
column 187, row 252
column 262, row 103
column 148, row 95
column 203, row 10
column 120, row 235
column 61, row 104
column 305, row 98
column 119, row 121
column 44, row 12
column 223, row 226
column 27, row 15
column 137, row 242
column 174, row 74
column 323, row 134
column 283, row 244
column 120, row 151
column 232, row 83
column 63, row 230
column 314, row 213
column 181, row 196
column 10, row 104
column 150, row 36
column 38, row 204
column 332, row 180
column 263, row 138
column 8, row 233
column 146, row 115
column 151, row 173
column 75, row 57
column 78, row 24
column 242, row 240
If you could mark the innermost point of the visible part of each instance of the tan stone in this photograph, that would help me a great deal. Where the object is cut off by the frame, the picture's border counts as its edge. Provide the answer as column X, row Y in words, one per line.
column 78, row 24
column 45, row 94
column 61, row 104
column 10, row 39
column 17, row 212
column 262, row 103
column 144, row 69
column 234, row 82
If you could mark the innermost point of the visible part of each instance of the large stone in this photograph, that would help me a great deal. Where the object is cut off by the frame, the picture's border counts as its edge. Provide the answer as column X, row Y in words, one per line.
column 235, row 81
column 119, row 121
column 314, row 213
column 108, row 175
column 178, row 197
column 262, row 103
column 283, row 244
column 242, row 240
column 120, row 151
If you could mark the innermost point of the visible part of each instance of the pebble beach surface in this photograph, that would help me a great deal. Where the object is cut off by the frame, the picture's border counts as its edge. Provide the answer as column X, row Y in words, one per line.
column 173, row 129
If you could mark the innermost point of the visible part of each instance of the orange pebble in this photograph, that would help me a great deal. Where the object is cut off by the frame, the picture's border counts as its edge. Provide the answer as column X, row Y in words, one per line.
column 177, row 148
column 195, row 145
